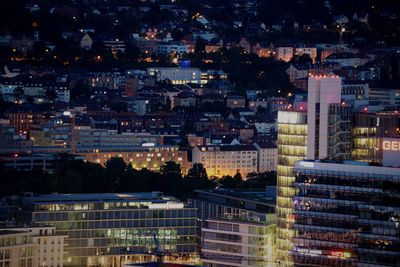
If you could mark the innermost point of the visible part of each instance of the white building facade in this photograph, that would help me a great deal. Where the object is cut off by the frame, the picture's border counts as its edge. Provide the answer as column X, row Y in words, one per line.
column 227, row 160
column 237, row 243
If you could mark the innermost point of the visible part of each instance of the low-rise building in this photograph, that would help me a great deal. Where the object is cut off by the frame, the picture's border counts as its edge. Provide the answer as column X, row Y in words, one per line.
column 176, row 75
column 117, row 229
column 237, row 227
column 42, row 162
column 347, row 59
column 50, row 246
column 110, row 80
column 185, row 99
column 296, row 72
column 23, row 117
column 21, row 87
column 17, row 249
column 237, row 242
column 235, row 102
column 172, row 47
column 226, row 160
column 311, row 51
column 284, row 53
column 267, row 157
column 87, row 137
column 254, row 104
column 147, row 156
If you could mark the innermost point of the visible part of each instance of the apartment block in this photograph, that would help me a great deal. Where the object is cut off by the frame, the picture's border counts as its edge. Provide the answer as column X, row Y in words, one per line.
column 226, row 160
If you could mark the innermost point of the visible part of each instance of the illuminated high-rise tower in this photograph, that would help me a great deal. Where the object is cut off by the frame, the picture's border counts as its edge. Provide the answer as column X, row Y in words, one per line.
column 292, row 147
column 319, row 130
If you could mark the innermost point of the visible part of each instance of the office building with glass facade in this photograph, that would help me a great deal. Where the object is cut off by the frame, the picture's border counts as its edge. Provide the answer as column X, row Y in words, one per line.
column 369, row 129
column 238, row 243
column 237, row 227
column 292, row 146
column 321, row 129
column 346, row 214
column 219, row 203
column 116, row 229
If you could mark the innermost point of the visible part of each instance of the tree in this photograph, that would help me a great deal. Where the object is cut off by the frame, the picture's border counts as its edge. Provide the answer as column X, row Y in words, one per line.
column 4, row 105
column 195, row 179
column 197, row 172
column 238, row 178
column 30, row 99
column 137, row 181
column 115, row 172
column 227, row 182
column 304, row 59
column 171, row 168
column 168, row 104
column 80, row 89
column 170, row 180
column 200, row 45
column 165, row 83
column 72, row 182
column 51, row 95
column 19, row 93
column 119, row 106
column 132, row 52
column 261, row 110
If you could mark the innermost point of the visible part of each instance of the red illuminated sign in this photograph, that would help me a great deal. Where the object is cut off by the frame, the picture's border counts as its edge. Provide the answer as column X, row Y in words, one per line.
column 341, row 254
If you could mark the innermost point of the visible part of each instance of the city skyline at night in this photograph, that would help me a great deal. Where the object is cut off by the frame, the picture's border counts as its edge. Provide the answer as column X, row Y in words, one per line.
column 216, row 133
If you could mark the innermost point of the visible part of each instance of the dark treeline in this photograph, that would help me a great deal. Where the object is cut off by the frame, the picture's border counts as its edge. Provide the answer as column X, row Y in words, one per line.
column 76, row 176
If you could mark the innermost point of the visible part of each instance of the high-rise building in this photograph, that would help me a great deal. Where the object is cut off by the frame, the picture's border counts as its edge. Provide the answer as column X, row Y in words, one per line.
column 115, row 229
column 292, row 146
column 325, row 123
column 333, row 132
column 319, row 130
column 346, row 214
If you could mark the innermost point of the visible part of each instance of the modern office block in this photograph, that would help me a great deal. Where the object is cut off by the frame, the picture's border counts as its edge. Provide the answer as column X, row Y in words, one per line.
column 237, row 228
column 236, row 242
column 369, row 130
column 319, row 130
column 114, row 229
column 220, row 203
column 346, row 214
column 292, row 146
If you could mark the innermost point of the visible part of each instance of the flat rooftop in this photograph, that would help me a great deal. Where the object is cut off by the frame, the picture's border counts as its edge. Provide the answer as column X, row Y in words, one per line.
column 154, row 197
column 347, row 166
column 263, row 197
column 10, row 232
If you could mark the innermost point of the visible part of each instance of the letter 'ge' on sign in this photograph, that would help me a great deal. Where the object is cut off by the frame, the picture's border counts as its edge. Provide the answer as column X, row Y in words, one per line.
column 391, row 145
